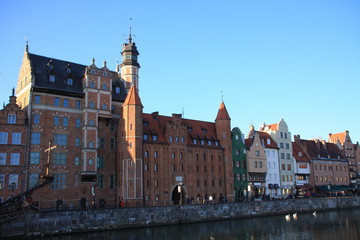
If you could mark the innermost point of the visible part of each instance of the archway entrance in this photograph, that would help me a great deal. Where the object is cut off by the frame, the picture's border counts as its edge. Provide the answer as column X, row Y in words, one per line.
column 178, row 195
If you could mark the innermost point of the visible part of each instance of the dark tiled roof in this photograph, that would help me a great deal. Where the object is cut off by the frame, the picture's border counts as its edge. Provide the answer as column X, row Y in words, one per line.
column 41, row 71
column 156, row 125
column 264, row 136
column 296, row 150
column 316, row 149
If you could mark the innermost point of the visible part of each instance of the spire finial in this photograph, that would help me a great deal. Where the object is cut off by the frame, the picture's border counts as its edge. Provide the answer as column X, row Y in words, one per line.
column 222, row 96
column 130, row 38
column 27, row 45
column 13, row 91
column 93, row 61
column 105, row 63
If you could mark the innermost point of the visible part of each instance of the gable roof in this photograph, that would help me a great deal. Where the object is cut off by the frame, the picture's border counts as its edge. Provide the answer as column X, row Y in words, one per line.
column 273, row 127
column 265, row 136
column 318, row 149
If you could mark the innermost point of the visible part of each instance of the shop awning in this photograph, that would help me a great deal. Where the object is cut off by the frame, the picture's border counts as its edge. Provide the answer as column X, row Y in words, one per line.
column 305, row 186
column 335, row 188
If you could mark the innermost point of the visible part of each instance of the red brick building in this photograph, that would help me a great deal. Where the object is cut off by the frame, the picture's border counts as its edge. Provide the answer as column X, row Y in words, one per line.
column 105, row 149
column 13, row 154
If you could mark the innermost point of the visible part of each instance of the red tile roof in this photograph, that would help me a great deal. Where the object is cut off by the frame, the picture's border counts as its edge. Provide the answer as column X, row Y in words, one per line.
column 265, row 136
column 296, row 150
column 200, row 130
column 270, row 127
column 222, row 113
column 337, row 136
column 132, row 98
column 316, row 149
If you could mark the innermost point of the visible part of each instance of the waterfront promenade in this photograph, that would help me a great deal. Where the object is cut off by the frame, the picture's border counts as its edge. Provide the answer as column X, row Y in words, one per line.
column 61, row 222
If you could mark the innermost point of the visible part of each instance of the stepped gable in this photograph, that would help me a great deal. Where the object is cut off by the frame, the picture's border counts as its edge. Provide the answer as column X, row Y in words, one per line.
column 155, row 124
column 337, row 136
column 41, row 70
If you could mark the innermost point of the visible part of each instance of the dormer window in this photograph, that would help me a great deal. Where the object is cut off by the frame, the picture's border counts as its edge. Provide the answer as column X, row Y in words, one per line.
column 217, row 143
column 268, row 141
column 11, row 119
column 209, row 142
column 204, row 130
column 194, row 141
column 171, row 138
column 52, row 78
column 146, row 137
column 202, row 142
column 300, row 154
column 69, row 82
column 146, row 123
column 155, row 138
column 190, row 129
column 68, row 70
column 117, row 90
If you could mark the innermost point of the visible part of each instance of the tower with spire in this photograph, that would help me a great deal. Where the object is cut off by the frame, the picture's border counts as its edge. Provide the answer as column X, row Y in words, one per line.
column 131, row 149
column 130, row 66
column 223, row 132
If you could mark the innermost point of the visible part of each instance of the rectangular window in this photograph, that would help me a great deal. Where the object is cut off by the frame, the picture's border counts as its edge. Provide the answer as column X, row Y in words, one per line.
column 92, row 123
column 56, row 101
column 282, row 166
column 78, row 122
column 77, row 161
column 101, row 142
column 33, row 179
column 37, row 99
column 59, row 158
column 100, row 182
column 257, row 153
column 77, row 142
column 260, row 164
column 36, row 118
column 104, row 87
column 65, row 121
column 34, row 157
column 117, row 90
column 78, row 104
column 56, row 121
column 60, row 180
column 288, row 156
column 285, row 135
column 91, row 105
column 35, row 138
column 281, row 145
column 112, row 143
column 15, row 159
column 16, row 138
column 60, row 139
column 237, row 151
column 2, row 181
column 155, row 167
column 287, row 146
column 104, row 106
column 52, row 78
column 2, row 158
column 3, row 137
column 112, row 181
column 289, row 167
column 146, row 137
column 282, row 156
column 66, row 103
column 100, row 162
column 14, row 180
column 255, row 164
column 281, row 134
column 70, row 81
column 155, row 138
column 11, row 118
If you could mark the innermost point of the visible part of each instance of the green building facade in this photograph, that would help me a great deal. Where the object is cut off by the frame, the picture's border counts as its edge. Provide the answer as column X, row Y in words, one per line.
column 240, row 168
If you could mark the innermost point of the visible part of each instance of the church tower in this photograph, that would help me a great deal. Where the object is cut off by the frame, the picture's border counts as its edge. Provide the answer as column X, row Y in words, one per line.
column 130, row 66
column 223, row 132
column 131, row 149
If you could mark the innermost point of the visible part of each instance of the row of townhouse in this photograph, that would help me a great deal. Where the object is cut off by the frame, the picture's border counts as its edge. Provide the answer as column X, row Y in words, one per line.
column 267, row 163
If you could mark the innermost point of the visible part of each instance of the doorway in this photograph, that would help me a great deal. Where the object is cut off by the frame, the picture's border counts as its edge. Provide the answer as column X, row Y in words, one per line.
column 178, row 196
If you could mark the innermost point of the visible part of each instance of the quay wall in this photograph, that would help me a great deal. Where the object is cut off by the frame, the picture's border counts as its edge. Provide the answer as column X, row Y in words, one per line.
column 61, row 222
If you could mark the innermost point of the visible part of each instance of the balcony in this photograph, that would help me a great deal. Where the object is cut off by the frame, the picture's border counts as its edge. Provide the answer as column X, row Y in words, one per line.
column 88, row 176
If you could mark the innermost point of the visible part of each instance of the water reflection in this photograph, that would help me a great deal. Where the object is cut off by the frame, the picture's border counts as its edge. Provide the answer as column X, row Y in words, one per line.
column 344, row 224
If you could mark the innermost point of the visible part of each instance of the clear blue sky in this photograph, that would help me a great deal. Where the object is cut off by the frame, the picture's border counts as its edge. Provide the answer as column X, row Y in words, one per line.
column 271, row 59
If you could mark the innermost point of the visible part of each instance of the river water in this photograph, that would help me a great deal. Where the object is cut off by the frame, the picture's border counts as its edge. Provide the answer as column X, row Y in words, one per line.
column 326, row 225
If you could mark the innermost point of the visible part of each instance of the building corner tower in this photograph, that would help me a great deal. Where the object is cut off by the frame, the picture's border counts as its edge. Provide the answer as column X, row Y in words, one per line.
column 223, row 131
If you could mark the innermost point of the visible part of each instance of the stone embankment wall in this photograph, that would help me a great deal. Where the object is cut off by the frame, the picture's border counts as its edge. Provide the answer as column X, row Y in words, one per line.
column 60, row 222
